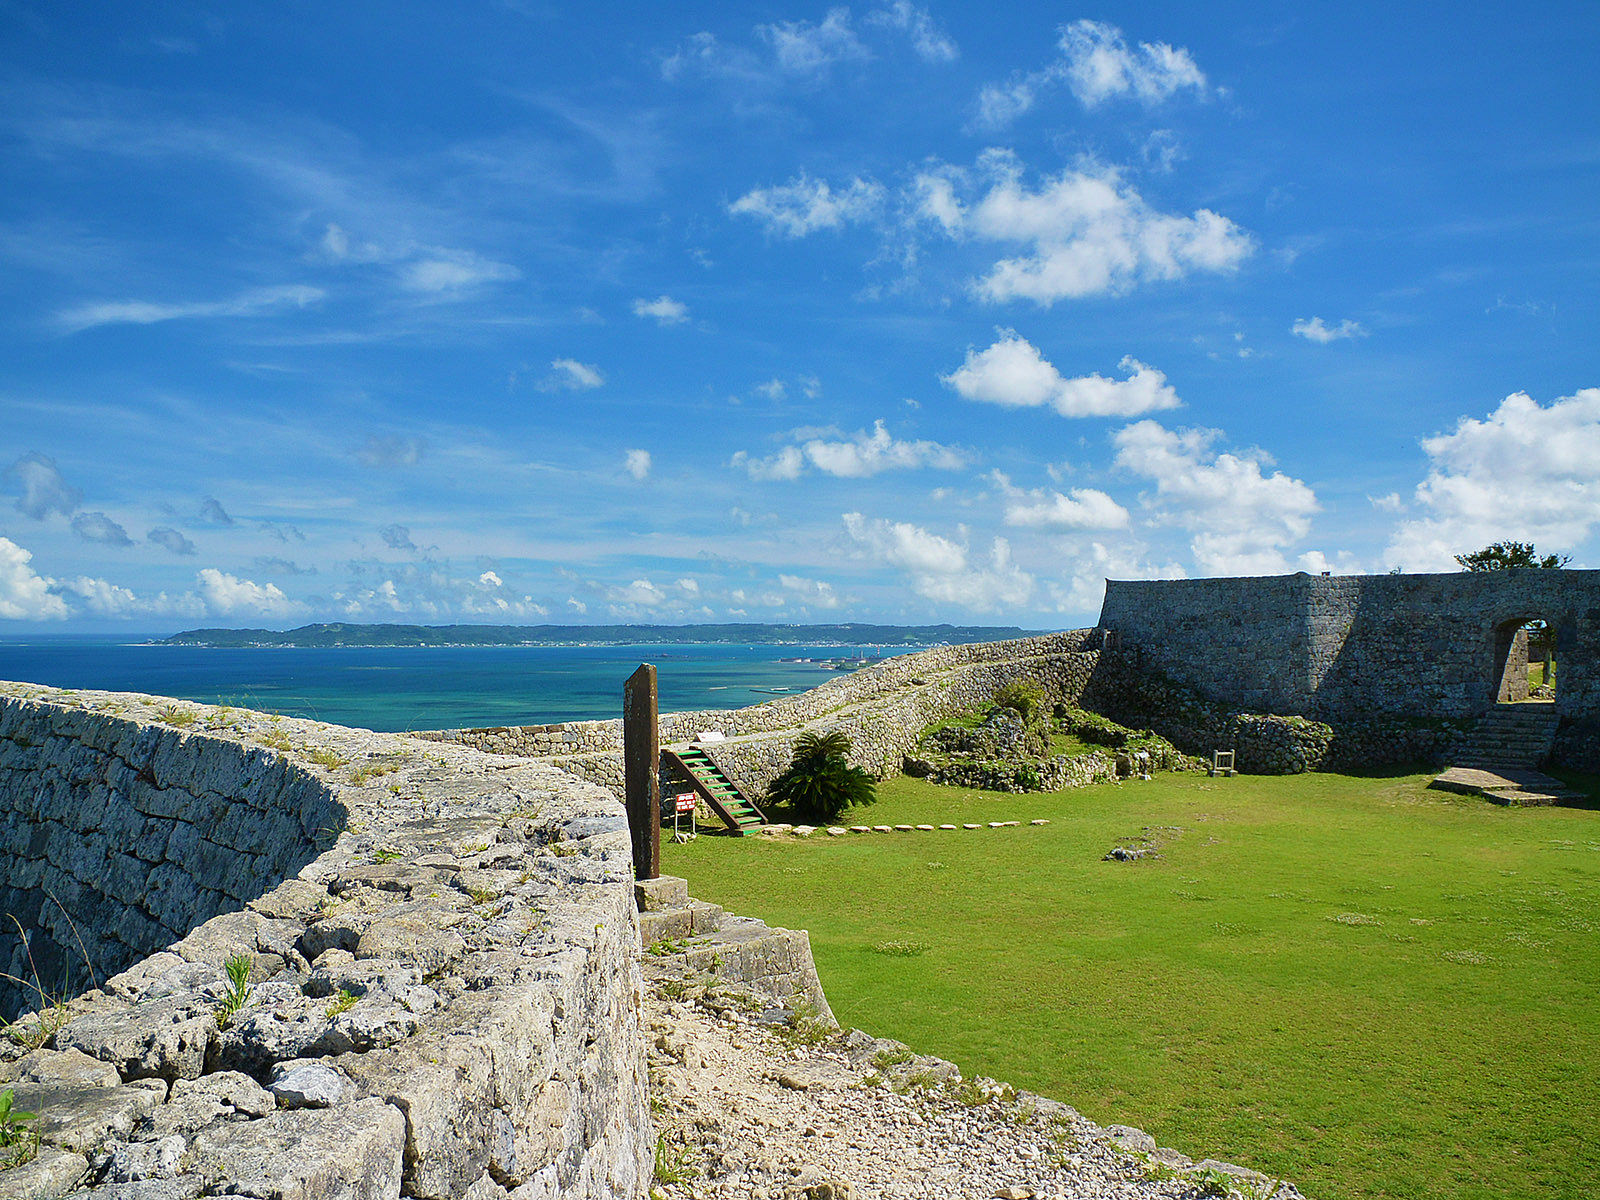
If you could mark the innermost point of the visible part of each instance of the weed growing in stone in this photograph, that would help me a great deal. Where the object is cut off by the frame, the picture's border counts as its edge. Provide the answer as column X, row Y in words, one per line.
column 677, row 1161
column 325, row 758
column 370, row 770
column 482, row 895
column 901, row 949
column 885, row 1059
column 178, row 718
column 668, row 946
column 17, row 1143
column 803, row 1026
column 385, row 854
column 238, row 993
column 342, row 1003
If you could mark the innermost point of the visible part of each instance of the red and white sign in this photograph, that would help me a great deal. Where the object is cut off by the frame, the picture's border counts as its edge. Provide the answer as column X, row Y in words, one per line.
column 685, row 801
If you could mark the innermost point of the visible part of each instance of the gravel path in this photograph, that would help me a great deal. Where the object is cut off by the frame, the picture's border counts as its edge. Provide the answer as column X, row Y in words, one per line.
column 756, row 1102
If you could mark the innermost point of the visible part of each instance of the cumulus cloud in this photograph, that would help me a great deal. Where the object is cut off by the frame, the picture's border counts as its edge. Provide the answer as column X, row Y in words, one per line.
column 571, row 375
column 1082, row 232
column 397, row 537
column 447, row 271
column 25, row 595
column 212, row 512
column 1081, row 508
column 1013, row 373
column 1240, row 518
column 941, row 569
column 143, row 312
column 40, row 488
column 857, row 457
column 1528, row 472
column 391, row 451
column 805, row 205
column 432, row 590
column 637, row 463
column 1083, row 588
column 663, row 310
column 1096, row 63
column 814, row 593
column 170, row 539
column 97, row 527
column 1316, row 330
column 227, row 595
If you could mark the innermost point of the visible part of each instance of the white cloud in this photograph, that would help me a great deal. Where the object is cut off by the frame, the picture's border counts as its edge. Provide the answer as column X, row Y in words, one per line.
column 144, row 312
column 940, row 569
column 1084, row 232
column 1084, row 588
column 865, row 454
column 801, row 48
column 227, row 595
column 490, row 579
column 447, row 271
column 1083, row 508
column 1240, row 519
column 1012, row 373
column 664, row 310
column 572, row 375
column 772, row 389
column 1525, row 472
column 1316, row 330
column 637, row 463
column 1095, row 61
column 97, row 527
column 25, row 595
column 805, row 205
column 42, row 490
column 1390, row 503
column 816, row 593
column 1100, row 66
column 170, row 539
column 930, row 42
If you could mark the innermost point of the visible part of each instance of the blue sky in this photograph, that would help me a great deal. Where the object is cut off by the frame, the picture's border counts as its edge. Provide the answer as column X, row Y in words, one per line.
column 519, row 313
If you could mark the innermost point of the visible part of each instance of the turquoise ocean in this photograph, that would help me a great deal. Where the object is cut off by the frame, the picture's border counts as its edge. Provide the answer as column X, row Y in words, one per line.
column 447, row 687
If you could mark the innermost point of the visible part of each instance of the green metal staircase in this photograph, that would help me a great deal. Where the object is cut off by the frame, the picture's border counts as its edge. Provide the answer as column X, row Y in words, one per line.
column 716, row 789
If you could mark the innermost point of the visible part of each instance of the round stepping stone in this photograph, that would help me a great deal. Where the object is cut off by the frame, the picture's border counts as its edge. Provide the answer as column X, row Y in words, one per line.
column 971, row 825
column 905, row 828
column 997, row 824
column 949, row 827
column 926, row 828
column 883, row 829
column 861, row 829
column 1038, row 821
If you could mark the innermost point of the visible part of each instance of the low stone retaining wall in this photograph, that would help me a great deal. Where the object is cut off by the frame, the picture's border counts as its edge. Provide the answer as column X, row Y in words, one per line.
column 442, row 947
column 882, row 708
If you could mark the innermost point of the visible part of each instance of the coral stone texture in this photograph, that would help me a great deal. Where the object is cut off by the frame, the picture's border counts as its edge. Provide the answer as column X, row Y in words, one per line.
column 443, row 992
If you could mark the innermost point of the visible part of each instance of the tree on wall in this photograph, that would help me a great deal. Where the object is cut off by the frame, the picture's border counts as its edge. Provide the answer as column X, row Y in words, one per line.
column 1500, row 555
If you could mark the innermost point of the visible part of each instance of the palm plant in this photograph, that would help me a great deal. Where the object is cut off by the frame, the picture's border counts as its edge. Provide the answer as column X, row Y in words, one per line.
column 820, row 783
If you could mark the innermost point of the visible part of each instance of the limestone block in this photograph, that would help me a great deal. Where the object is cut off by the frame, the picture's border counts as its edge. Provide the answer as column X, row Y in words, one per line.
column 51, row 1173
column 82, row 1118
column 307, row 1083
column 166, row 1038
column 348, row 1152
column 72, row 1068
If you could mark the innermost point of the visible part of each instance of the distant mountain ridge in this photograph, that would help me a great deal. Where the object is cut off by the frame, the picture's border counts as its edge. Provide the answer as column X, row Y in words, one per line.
column 849, row 634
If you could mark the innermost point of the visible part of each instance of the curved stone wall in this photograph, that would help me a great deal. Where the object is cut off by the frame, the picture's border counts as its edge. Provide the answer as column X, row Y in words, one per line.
column 443, row 989
column 882, row 708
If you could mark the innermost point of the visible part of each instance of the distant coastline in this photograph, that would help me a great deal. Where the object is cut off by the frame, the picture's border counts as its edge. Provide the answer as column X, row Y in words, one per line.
column 353, row 635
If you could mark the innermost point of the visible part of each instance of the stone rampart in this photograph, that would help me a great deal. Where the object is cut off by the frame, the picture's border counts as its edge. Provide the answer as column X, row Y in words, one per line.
column 882, row 708
column 1333, row 647
column 442, row 951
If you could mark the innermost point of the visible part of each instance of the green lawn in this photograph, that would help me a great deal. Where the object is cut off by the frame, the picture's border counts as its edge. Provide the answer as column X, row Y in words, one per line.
column 1355, row 983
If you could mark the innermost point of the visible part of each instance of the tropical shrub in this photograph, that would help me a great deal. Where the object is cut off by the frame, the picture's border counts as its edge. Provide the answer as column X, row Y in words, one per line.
column 820, row 783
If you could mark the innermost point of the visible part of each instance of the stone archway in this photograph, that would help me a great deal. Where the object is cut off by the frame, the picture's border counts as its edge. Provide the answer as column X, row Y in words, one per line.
column 1524, row 646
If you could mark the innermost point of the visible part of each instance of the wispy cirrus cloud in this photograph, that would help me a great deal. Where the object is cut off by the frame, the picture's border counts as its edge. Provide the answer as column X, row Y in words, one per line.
column 806, row 205
column 1319, row 331
column 568, row 374
column 806, row 52
column 253, row 303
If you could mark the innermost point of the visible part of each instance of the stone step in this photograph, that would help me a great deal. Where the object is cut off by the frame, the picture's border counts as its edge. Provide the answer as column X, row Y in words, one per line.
column 652, row 895
column 772, row 962
column 694, row 919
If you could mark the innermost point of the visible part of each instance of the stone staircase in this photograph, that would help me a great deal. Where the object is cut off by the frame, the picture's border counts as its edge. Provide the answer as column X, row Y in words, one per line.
column 1498, row 760
column 683, row 936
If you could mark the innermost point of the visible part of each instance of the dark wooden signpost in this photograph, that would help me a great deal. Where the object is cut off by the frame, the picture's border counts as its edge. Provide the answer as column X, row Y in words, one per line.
column 641, row 762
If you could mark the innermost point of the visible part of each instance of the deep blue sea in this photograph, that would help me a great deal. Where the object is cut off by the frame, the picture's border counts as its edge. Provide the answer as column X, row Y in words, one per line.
column 402, row 688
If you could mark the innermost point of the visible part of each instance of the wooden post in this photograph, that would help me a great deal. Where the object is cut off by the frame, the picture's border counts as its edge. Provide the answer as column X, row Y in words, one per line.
column 641, row 760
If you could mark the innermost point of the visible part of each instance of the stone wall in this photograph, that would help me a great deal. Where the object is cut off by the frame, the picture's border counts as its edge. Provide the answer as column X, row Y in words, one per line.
column 442, row 947
column 1423, row 646
column 882, row 708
